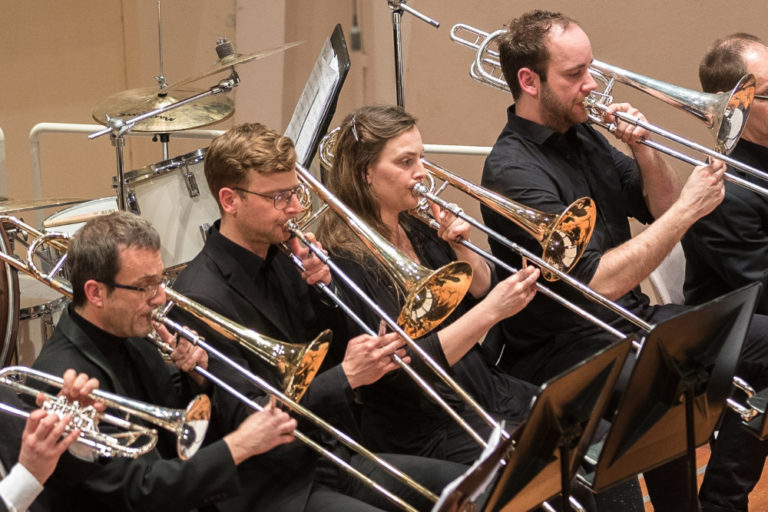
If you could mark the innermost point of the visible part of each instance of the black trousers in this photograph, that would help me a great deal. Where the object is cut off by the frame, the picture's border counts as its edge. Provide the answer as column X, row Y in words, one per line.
column 737, row 457
column 335, row 489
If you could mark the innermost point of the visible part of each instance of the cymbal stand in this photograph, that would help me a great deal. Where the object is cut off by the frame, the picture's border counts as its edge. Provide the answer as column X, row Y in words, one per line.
column 118, row 128
column 161, row 81
column 398, row 7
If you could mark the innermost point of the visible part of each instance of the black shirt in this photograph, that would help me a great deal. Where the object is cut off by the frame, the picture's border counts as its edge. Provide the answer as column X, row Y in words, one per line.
column 547, row 170
column 728, row 248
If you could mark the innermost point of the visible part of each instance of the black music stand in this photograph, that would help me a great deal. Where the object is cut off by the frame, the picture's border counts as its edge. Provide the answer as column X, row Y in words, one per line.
column 462, row 493
column 682, row 378
column 557, row 433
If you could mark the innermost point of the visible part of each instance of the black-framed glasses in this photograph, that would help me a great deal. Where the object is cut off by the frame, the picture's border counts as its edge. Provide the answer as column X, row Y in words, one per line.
column 282, row 199
column 762, row 97
column 149, row 291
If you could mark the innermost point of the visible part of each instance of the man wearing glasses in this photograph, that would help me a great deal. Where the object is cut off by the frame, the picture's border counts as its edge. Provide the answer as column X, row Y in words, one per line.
column 728, row 249
column 244, row 274
column 115, row 268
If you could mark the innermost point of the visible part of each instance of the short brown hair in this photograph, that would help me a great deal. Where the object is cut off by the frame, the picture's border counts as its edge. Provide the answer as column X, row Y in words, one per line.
column 525, row 45
column 723, row 66
column 94, row 251
column 243, row 148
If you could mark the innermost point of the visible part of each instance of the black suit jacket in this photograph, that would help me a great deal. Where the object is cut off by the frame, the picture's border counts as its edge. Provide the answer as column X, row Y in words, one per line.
column 218, row 279
column 154, row 481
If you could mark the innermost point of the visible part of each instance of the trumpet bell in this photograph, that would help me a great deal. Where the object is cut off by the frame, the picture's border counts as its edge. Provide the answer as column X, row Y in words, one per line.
column 193, row 426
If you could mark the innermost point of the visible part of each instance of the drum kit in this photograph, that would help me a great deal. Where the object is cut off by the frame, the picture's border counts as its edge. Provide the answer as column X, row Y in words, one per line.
column 172, row 194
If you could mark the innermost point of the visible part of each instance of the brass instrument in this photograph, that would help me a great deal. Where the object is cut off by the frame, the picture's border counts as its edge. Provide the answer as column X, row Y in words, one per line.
column 442, row 291
column 161, row 316
column 296, row 363
column 189, row 425
column 563, row 237
column 431, row 295
column 724, row 113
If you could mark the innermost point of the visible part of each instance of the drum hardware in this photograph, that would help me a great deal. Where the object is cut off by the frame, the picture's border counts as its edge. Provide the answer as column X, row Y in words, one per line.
column 170, row 196
column 228, row 59
column 191, row 182
column 398, row 7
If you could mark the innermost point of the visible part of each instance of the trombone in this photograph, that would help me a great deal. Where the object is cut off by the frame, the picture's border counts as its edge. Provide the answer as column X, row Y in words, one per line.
column 578, row 227
column 188, row 424
column 724, row 113
column 435, row 294
column 168, row 417
column 563, row 237
column 160, row 315
column 297, row 364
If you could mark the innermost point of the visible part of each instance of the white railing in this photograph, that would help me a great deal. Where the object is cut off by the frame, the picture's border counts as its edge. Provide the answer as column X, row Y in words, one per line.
column 445, row 149
column 40, row 128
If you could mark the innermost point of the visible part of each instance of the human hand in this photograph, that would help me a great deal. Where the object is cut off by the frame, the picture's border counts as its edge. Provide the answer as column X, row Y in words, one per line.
column 77, row 387
column 368, row 358
column 42, row 443
column 512, row 294
column 315, row 271
column 452, row 229
column 703, row 190
column 260, row 432
column 185, row 355
column 626, row 132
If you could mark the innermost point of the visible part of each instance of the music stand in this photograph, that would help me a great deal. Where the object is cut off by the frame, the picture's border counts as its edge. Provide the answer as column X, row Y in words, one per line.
column 558, row 431
column 681, row 378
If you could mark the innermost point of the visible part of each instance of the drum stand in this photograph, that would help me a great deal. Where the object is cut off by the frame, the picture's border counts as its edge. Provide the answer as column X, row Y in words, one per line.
column 398, row 6
column 117, row 128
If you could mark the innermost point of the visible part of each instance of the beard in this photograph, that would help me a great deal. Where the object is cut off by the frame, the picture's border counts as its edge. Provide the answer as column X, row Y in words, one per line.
column 556, row 114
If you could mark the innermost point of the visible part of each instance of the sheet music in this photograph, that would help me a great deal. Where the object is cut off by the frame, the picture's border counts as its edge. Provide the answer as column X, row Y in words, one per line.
column 314, row 102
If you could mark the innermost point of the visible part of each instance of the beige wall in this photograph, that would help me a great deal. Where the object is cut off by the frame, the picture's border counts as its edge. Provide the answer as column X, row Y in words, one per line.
column 60, row 58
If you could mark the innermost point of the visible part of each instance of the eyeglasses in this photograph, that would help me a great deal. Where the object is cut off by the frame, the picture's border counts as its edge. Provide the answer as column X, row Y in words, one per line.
column 762, row 97
column 282, row 199
column 149, row 291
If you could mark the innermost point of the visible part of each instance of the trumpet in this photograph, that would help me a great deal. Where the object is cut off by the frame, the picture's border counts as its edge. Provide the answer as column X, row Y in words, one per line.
column 725, row 114
column 188, row 424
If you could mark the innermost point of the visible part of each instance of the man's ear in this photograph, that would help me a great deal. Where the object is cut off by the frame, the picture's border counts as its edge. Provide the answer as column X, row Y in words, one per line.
column 228, row 200
column 95, row 293
column 529, row 81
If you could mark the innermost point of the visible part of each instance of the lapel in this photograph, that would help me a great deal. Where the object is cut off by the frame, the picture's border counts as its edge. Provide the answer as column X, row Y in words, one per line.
column 242, row 283
column 80, row 340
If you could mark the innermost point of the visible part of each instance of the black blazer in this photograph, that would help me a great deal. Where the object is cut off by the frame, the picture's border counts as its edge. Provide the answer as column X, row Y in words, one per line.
column 152, row 481
column 218, row 280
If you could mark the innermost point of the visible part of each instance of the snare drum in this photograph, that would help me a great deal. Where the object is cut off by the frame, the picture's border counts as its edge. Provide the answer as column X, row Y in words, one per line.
column 73, row 218
column 40, row 310
column 173, row 195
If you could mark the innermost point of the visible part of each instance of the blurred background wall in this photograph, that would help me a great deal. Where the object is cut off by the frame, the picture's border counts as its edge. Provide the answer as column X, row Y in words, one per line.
column 58, row 59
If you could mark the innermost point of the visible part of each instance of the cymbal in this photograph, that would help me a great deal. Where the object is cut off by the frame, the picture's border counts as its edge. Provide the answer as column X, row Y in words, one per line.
column 133, row 102
column 8, row 205
column 224, row 63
